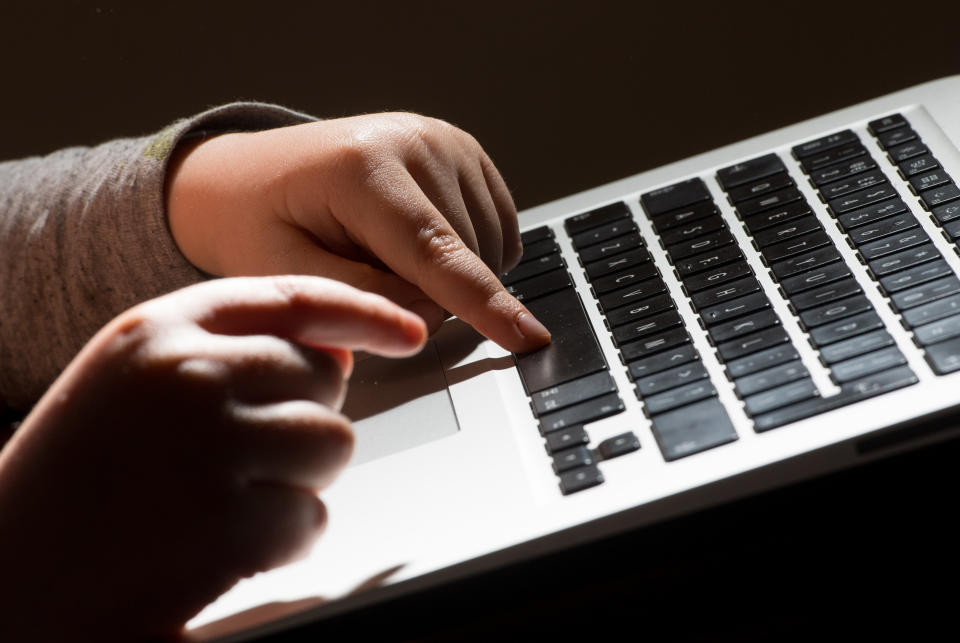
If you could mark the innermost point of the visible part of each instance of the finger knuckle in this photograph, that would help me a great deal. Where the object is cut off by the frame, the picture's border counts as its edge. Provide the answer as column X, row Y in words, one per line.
column 438, row 248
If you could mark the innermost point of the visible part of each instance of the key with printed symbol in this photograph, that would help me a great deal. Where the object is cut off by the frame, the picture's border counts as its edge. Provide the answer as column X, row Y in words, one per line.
column 611, row 247
column 671, row 378
column 618, row 445
column 596, row 217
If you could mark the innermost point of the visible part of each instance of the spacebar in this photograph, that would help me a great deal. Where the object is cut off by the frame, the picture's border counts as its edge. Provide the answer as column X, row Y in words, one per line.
column 573, row 352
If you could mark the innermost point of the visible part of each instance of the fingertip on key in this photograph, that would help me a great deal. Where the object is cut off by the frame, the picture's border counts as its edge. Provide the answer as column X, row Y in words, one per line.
column 534, row 333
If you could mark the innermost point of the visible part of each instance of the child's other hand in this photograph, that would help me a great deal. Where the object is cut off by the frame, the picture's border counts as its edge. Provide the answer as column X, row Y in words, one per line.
column 397, row 204
column 180, row 451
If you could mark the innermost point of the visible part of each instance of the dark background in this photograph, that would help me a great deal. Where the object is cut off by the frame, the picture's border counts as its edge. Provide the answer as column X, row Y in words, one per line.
column 564, row 96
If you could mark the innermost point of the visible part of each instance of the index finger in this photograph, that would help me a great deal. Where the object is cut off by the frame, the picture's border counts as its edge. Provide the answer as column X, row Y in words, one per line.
column 422, row 247
column 313, row 311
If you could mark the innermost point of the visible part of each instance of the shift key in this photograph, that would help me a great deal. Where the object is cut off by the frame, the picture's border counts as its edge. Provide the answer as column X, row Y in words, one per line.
column 573, row 351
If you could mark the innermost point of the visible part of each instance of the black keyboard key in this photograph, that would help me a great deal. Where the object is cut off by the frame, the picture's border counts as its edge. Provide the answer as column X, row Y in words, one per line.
column 537, row 234
column 851, row 392
column 570, row 393
column 785, row 249
column 815, row 278
column 535, row 287
column 618, row 445
column 825, row 294
column 610, row 248
column 573, row 352
column 692, row 230
column 945, row 213
column 932, row 311
column 883, row 227
column 862, row 199
column 841, row 171
column 632, row 294
column 680, row 396
column 830, row 141
column 683, row 216
column 533, row 268
column 738, row 368
column 572, row 459
column 918, row 165
column 951, row 231
column 603, row 233
column 852, row 184
column 724, row 292
column 835, row 310
column 870, row 214
column 678, row 356
column 938, row 196
column 858, row 345
column 660, row 342
column 807, row 261
column 914, row 276
column 783, row 395
column 776, row 216
column 671, row 378
column 906, row 151
column 646, row 327
column 539, row 249
column 674, row 197
column 763, row 186
column 717, row 276
column 750, row 171
column 938, row 331
column 753, row 343
column 777, row 199
column 896, row 137
column 693, row 429
column 620, row 280
column 868, row 364
column 830, row 157
column 845, row 328
column 893, row 243
column 580, row 479
column 735, row 308
column 944, row 357
column 929, row 181
column 616, row 263
column 741, row 326
column 707, row 260
column 699, row 245
column 568, row 438
column 787, row 231
column 589, row 411
column 639, row 310
column 770, row 378
column 925, row 293
column 904, row 259
column 886, row 124
column 597, row 217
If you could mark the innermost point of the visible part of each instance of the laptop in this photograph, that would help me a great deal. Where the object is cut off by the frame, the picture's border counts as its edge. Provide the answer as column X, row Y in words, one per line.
column 757, row 315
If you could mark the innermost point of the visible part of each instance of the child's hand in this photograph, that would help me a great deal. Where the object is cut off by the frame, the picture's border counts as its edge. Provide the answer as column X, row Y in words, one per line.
column 180, row 451
column 398, row 204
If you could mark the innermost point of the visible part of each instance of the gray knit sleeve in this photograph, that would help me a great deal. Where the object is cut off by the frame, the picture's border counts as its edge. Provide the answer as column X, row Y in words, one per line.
column 84, row 236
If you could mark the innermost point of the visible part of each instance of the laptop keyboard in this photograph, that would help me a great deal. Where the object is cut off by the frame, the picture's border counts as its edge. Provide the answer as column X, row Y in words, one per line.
column 569, row 381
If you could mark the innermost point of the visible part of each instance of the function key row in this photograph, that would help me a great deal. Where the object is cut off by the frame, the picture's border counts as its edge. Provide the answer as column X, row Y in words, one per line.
column 927, row 294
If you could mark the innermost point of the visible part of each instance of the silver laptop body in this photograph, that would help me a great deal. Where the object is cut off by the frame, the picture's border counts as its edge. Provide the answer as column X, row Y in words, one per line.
column 759, row 314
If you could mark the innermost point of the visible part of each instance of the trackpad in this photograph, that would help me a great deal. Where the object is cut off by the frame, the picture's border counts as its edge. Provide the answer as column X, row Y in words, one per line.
column 396, row 404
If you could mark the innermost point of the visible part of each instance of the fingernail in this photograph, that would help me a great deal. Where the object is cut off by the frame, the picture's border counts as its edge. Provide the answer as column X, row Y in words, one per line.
column 531, row 329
